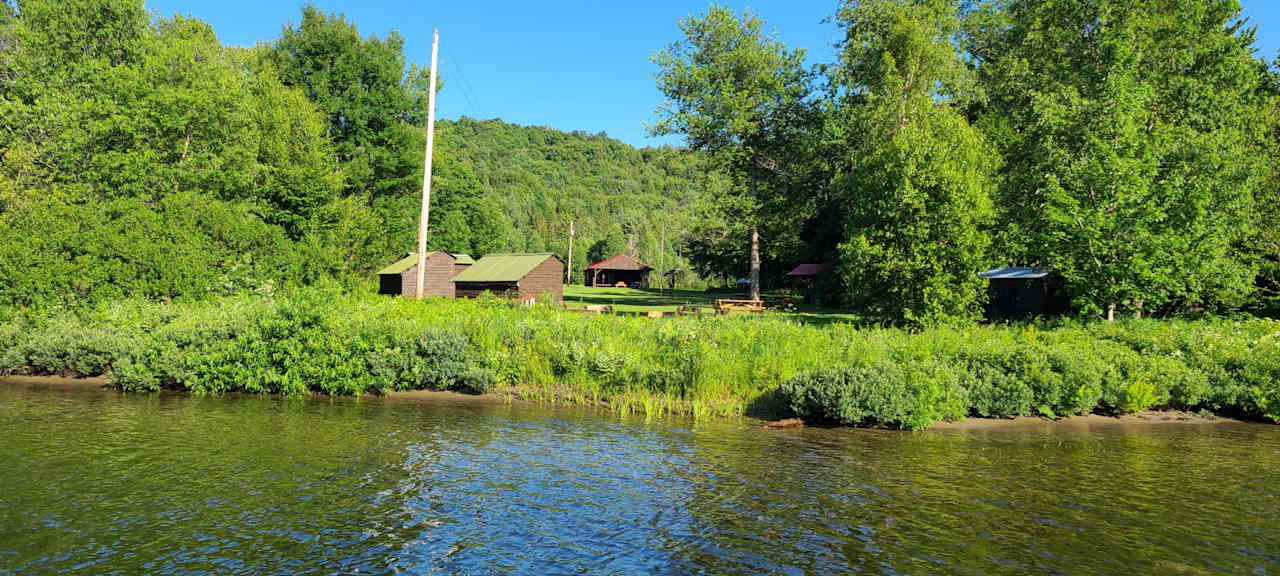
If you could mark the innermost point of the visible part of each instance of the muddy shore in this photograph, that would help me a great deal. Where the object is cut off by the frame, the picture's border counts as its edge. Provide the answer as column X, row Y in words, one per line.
column 1160, row 417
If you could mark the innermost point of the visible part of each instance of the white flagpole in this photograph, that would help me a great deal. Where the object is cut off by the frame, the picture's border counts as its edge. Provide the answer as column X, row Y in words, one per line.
column 426, row 169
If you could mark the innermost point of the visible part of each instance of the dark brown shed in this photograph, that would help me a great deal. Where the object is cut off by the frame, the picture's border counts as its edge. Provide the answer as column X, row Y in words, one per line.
column 1018, row 293
column 523, row 276
column 619, row 269
column 401, row 277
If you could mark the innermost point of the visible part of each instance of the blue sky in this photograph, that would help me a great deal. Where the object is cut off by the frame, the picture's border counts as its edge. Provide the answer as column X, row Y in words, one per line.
column 571, row 65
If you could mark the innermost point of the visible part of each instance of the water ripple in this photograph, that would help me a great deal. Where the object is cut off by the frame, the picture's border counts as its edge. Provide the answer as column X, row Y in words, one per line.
column 101, row 483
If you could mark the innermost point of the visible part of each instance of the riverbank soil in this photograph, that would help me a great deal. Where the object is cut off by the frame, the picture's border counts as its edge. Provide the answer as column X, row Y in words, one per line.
column 1146, row 417
column 96, row 382
column 410, row 396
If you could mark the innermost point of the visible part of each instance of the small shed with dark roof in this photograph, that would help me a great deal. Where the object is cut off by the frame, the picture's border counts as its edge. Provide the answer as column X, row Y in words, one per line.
column 522, row 276
column 619, row 269
column 401, row 278
column 1021, row 292
column 805, row 276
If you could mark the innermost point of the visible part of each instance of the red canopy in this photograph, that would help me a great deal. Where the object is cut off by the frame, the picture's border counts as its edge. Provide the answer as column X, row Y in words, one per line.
column 805, row 270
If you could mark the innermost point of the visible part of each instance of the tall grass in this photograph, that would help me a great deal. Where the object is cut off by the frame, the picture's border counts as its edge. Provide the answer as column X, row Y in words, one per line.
column 341, row 344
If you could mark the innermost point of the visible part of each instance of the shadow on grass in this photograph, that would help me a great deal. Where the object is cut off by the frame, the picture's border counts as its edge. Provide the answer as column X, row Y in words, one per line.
column 770, row 406
column 632, row 301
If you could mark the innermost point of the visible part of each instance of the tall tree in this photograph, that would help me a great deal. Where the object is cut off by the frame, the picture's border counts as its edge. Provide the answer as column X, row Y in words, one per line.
column 1131, row 138
column 735, row 91
column 1266, row 236
column 919, row 178
column 376, row 107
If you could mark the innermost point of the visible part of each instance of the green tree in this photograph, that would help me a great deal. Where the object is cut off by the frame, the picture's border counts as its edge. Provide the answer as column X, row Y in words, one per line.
column 735, row 91
column 1265, row 242
column 614, row 243
column 296, row 175
column 919, row 177
column 1130, row 130
column 376, row 108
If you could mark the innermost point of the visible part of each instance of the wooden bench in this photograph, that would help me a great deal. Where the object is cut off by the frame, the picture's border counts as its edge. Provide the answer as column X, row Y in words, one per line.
column 781, row 303
column 598, row 308
column 727, row 305
column 688, row 309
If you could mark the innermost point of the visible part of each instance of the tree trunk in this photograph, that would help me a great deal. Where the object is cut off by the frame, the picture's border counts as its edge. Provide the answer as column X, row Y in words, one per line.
column 1111, row 312
column 755, row 263
column 755, row 247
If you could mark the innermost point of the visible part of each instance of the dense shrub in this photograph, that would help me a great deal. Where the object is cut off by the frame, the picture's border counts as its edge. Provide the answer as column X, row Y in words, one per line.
column 316, row 341
column 432, row 360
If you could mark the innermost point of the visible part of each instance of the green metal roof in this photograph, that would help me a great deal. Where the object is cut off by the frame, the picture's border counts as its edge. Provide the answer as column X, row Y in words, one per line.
column 463, row 259
column 409, row 262
column 400, row 265
column 501, row 267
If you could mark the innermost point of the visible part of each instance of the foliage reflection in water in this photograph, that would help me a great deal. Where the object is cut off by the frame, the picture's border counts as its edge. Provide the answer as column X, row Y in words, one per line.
column 98, row 482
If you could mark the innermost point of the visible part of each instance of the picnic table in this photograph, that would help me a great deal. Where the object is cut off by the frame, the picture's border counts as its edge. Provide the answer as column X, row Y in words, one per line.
column 727, row 305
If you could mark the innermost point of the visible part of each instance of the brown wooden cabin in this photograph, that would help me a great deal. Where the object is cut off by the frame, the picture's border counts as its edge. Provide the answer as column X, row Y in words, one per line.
column 522, row 276
column 621, row 268
column 401, row 277
column 1019, row 293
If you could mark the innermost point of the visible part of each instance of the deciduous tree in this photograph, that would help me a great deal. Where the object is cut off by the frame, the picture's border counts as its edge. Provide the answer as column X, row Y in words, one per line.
column 918, row 177
column 734, row 90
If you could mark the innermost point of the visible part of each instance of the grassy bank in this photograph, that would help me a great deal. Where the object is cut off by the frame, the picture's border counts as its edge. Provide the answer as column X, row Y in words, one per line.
column 316, row 342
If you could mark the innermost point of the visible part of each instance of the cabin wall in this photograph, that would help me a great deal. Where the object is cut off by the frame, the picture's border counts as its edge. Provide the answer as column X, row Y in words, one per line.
column 438, row 280
column 547, row 277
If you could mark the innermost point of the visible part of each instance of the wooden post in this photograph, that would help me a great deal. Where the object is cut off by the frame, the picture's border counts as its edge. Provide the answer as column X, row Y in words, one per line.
column 568, row 270
column 426, row 170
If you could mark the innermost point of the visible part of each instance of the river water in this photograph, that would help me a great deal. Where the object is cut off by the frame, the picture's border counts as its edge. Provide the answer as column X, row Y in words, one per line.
column 95, row 482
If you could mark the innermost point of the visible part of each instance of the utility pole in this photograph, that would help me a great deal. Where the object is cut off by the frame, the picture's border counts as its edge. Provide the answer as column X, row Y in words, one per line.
column 426, row 170
column 568, row 270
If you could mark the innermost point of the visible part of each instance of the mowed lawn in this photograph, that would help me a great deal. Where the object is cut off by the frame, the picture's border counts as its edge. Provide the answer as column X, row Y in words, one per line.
column 628, row 300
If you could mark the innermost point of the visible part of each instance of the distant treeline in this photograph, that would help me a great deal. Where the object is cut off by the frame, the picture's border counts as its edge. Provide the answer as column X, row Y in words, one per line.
column 142, row 157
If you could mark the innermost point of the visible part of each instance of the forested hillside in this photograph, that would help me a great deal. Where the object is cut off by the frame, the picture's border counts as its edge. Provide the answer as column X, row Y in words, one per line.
column 619, row 197
column 143, row 158
column 1130, row 146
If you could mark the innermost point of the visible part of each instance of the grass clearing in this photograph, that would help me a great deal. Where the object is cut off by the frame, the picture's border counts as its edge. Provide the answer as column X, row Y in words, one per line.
column 632, row 301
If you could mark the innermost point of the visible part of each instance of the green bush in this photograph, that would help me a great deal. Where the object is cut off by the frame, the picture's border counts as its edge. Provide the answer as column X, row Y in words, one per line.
column 996, row 393
column 432, row 360
column 12, row 343
column 324, row 341
column 67, row 346
column 880, row 393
